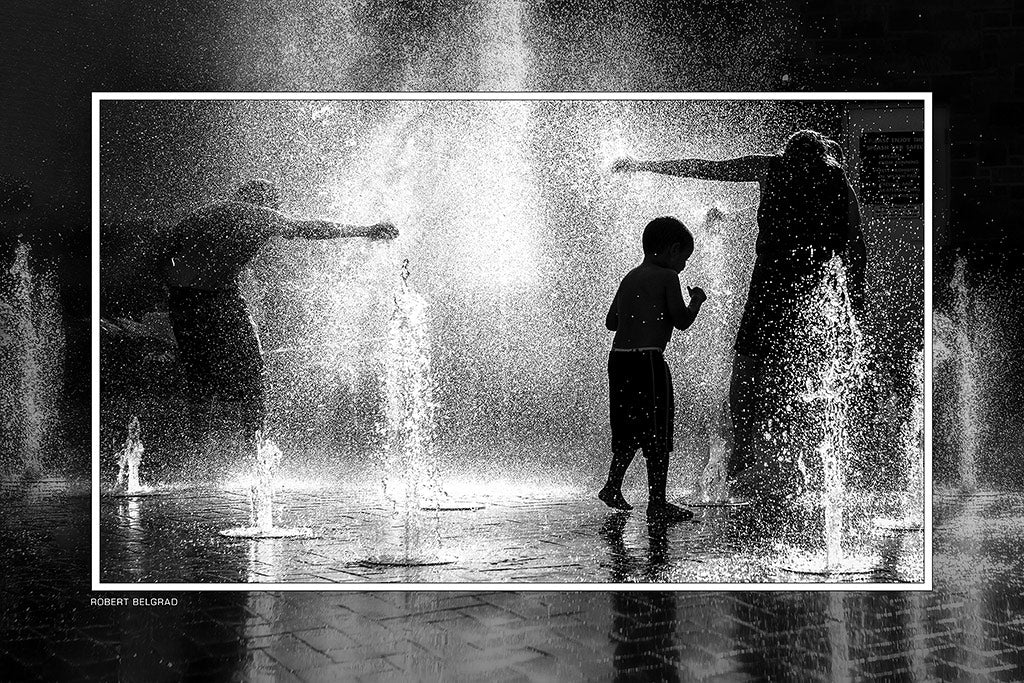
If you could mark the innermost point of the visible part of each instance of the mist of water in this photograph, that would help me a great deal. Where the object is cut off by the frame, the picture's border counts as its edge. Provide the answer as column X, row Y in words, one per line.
column 968, row 389
column 835, row 369
column 913, row 503
column 519, row 235
column 261, row 491
column 409, row 460
column 33, row 349
column 129, row 459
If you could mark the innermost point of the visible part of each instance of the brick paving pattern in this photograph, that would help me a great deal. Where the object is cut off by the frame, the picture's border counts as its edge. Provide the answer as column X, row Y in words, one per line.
column 971, row 627
column 175, row 538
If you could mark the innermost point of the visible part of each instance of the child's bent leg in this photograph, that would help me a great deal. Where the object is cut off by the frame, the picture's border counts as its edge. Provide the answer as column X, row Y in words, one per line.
column 658, row 506
column 611, row 494
column 657, row 476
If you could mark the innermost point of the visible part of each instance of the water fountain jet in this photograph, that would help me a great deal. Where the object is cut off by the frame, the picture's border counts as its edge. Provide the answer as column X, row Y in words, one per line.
column 411, row 481
column 965, row 353
column 912, row 499
column 129, row 459
column 834, row 368
column 261, row 497
column 34, row 351
column 712, row 485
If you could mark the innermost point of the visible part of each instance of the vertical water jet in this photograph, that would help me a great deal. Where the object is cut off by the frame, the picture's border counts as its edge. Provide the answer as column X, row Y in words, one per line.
column 967, row 377
column 34, row 356
column 128, row 460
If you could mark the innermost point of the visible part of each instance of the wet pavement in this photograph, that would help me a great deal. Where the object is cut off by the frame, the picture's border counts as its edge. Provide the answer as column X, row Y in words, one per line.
column 489, row 538
column 971, row 627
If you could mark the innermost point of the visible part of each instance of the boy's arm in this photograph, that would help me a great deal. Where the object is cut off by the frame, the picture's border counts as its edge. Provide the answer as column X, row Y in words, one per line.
column 752, row 168
column 611, row 321
column 681, row 314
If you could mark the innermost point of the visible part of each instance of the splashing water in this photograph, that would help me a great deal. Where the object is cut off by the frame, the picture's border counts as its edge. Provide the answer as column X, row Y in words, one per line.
column 836, row 371
column 261, row 492
column 35, row 349
column 943, row 333
column 410, row 468
column 409, row 464
column 912, row 498
column 967, row 373
column 261, row 496
column 712, row 482
column 714, row 485
column 128, row 460
column 914, row 448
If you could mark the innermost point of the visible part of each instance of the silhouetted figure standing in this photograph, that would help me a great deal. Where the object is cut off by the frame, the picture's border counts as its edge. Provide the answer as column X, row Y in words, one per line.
column 647, row 307
column 807, row 213
column 218, row 347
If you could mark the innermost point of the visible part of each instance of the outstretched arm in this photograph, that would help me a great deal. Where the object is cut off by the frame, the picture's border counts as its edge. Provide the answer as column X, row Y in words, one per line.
column 293, row 228
column 282, row 225
column 753, row 168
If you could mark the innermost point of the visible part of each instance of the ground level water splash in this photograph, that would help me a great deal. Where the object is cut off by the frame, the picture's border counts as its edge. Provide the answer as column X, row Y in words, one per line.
column 129, row 458
column 31, row 358
column 262, row 491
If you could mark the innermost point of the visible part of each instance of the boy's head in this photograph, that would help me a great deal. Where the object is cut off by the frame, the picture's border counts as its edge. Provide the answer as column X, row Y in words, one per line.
column 668, row 237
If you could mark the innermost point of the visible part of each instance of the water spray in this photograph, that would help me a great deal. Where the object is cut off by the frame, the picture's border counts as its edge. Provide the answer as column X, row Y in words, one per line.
column 262, row 491
column 128, row 460
column 967, row 372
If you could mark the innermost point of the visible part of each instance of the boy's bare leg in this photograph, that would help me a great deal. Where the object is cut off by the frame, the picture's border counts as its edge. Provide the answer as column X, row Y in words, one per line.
column 658, row 506
column 611, row 494
column 742, row 405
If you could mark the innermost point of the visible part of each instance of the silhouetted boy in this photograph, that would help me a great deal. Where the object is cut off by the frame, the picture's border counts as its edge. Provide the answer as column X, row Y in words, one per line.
column 647, row 306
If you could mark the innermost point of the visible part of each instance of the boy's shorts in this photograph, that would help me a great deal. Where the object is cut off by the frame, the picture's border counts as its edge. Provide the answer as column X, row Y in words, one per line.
column 218, row 348
column 641, row 403
column 779, row 285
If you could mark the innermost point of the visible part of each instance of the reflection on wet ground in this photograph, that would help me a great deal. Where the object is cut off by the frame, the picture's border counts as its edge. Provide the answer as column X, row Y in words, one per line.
column 175, row 538
column 971, row 627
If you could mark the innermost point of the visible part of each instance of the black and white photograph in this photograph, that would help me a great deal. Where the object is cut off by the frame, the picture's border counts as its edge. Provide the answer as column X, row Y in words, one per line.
column 423, row 341
column 463, row 340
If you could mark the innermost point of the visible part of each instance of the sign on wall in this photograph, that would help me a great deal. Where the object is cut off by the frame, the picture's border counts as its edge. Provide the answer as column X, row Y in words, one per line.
column 892, row 172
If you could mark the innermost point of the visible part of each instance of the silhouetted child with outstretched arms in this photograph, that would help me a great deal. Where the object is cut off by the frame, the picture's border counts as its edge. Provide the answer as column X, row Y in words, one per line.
column 647, row 307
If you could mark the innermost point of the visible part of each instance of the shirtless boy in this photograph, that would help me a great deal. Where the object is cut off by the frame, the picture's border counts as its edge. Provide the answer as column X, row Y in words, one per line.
column 647, row 307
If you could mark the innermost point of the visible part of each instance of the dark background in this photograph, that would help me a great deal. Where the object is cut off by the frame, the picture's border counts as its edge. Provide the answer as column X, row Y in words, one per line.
column 56, row 53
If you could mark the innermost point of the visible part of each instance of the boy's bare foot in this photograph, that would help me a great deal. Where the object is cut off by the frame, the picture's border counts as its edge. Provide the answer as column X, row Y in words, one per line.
column 667, row 512
column 613, row 499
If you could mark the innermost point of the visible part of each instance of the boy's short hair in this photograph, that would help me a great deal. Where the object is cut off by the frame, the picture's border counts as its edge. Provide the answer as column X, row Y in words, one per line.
column 663, row 232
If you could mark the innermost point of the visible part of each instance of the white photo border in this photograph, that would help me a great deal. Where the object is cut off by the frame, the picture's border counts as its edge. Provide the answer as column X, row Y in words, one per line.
column 924, row 97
